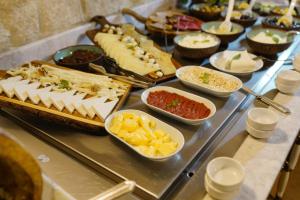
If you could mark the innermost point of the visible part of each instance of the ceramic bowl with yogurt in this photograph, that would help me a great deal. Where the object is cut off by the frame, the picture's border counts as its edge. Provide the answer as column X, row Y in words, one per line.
column 196, row 45
column 212, row 28
column 225, row 174
column 268, row 41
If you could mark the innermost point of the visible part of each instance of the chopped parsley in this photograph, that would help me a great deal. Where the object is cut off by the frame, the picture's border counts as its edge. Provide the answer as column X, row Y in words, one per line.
column 205, row 41
column 268, row 33
column 275, row 39
column 64, row 84
column 173, row 103
column 205, row 78
column 236, row 57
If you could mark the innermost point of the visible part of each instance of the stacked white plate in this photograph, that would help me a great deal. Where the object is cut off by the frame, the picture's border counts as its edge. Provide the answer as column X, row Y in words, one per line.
column 288, row 81
column 224, row 177
column 261, row 122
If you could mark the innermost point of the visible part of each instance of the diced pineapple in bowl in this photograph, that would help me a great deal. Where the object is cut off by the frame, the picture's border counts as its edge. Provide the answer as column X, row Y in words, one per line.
column 145, row 134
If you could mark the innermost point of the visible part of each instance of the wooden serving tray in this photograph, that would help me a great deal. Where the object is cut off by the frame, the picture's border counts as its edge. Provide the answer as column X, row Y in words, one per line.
column 52, row 114
column 102, row 21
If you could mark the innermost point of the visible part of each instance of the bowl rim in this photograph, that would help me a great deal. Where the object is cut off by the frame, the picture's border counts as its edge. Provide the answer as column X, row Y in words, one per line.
column 237, row 165
column 274, row 116
column 242, row 29
column 74, row 46
column 261, row 134
column 242, row 20
column 288, row 81
column 176, row 39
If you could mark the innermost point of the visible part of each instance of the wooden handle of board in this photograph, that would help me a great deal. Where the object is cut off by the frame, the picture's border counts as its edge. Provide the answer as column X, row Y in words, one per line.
column 127, row 11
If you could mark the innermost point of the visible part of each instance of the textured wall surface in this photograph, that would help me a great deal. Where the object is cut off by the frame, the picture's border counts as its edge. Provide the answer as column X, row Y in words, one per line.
column 25, row 21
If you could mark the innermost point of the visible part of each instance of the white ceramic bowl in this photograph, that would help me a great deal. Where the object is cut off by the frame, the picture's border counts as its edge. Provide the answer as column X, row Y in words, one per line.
column 258, row 133
column 262, row 119
column 205, row 87
column 285, row 88
column 225, row 174
column 196, row 98
column 175, row 134
column 289, row 77
column 218, row 194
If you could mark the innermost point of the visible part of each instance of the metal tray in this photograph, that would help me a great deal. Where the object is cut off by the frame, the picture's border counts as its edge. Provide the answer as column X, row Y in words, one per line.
column 155, row 180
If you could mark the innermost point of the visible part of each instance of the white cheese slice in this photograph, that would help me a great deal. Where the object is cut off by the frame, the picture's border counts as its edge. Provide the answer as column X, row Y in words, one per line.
column 78, row 106
column 88, row 103
column 56, row 98
column 104, row 109
column 68, row 101
column 21, row 90
column 33, row 93
column 10, row 79
column 8, row 87
column 45, row 98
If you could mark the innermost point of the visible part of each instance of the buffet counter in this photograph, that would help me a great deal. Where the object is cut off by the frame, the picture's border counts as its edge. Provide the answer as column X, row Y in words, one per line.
column 71, row 158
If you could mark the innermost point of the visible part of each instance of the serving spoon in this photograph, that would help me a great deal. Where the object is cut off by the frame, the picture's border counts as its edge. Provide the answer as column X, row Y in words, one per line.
column 226, row 25
column 248, row 11
column 289, row 15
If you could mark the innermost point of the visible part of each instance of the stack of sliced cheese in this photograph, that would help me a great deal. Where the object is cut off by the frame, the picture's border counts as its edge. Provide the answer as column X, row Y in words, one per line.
column 70, row 100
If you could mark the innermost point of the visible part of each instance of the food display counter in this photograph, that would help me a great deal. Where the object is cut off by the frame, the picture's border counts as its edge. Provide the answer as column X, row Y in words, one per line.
column 177, row 178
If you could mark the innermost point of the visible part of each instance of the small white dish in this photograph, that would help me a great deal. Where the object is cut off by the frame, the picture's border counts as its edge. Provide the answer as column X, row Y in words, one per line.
column 205, row 87
column 262, row 119
column 296, row 62
column 175, row 134
column 225, row 174
column 285, row 88
column 219, row 194
column 289, row 77
column 222, row 67
column 196, row 98
column 258, row 133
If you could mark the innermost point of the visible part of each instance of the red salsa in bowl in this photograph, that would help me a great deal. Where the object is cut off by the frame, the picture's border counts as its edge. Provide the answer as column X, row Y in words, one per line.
column 178, row 105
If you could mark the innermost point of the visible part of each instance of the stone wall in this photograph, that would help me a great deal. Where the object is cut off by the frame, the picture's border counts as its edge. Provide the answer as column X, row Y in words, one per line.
column 25, row 21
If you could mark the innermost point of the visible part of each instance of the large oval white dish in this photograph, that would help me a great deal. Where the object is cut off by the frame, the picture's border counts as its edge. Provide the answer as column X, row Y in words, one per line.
column 207, row 88
column 213, row 61
column 175, row 134
column 196, row 98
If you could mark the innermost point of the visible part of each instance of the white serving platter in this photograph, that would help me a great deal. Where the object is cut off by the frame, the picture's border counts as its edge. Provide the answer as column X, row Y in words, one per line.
column 214, row 58
column 175, row 134
column 194, row 97
column 205, row 87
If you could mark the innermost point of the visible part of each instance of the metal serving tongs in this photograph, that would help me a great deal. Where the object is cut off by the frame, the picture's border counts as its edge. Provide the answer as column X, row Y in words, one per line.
column 126, row 79
column 267, row 101
column 116, row 191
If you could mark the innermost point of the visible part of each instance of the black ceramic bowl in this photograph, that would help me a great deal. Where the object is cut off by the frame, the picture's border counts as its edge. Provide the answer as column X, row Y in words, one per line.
column 195, row 10
column 270, row 22
column 196, row 53
column 245, row 22
column 225, row 38
column 80, row 61
column 266, row 48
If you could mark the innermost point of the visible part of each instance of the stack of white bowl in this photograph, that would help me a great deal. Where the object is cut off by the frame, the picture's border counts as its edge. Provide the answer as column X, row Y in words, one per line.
column 288, row 81
column 296, row 62
column 261, row 122
column 224, row 177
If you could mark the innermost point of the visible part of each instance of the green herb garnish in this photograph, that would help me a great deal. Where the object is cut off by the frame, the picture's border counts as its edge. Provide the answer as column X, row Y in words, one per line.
column 64, row 84
column 173, row 103
column 275, row 39
column 236, row 57
column 205, row 78
column 205, row 41
column 268, row 33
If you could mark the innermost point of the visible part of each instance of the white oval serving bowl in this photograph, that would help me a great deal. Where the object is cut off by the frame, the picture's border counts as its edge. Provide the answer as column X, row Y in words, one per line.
column 207, row 88
column 289, row 77
column 175, row 134
column 225, row 174
column 218, row 194
column 286, row 88
column 258, row 133
column 213, row 60
column 262, row 119
column 196, row 98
